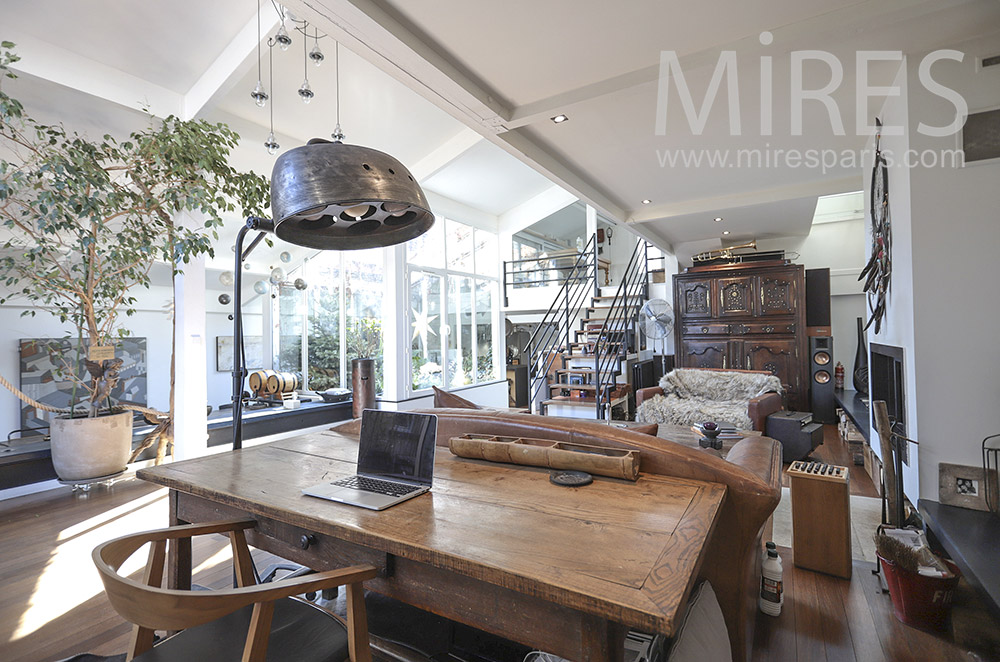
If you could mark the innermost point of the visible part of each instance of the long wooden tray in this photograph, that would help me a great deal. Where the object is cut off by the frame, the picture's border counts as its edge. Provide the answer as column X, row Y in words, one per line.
column 612, row 462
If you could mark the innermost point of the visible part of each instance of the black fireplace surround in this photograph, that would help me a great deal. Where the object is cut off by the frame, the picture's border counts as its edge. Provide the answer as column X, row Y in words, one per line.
column 887, row 382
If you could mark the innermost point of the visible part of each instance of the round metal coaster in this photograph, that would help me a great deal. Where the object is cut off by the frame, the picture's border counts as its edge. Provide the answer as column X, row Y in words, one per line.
column 571, row 478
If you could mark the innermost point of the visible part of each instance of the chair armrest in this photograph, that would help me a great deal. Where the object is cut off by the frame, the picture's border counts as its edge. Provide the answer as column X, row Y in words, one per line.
column 761, row 407
column 645, row 393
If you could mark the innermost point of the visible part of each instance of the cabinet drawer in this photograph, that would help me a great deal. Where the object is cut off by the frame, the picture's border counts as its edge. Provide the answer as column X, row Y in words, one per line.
column 706, row 329
column 761, row 329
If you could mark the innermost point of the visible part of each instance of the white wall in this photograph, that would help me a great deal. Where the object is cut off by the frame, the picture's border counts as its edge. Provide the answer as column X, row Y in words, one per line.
column 956, row 236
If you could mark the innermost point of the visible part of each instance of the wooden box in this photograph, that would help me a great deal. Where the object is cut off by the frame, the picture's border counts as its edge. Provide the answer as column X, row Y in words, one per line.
column 873, row 467
column 821, row 517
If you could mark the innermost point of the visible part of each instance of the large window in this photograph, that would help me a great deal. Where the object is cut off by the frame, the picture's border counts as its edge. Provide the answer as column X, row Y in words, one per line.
column 338, row 318
column 452, row 281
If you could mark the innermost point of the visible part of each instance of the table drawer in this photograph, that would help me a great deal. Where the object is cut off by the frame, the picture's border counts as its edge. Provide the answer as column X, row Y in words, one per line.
column 320, row 552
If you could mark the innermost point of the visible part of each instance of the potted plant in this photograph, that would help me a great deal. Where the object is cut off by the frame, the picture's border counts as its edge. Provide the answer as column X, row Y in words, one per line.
column 85, row 222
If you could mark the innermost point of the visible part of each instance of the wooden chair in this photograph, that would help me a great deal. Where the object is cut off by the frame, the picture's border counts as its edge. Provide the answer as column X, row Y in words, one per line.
column 232, row 623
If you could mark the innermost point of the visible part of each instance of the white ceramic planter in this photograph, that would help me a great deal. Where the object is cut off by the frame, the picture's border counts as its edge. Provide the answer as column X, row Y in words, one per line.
column 84, row 448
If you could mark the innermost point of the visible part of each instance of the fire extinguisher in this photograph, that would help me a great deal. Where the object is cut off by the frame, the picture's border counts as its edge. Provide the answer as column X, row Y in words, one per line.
column 838, row 376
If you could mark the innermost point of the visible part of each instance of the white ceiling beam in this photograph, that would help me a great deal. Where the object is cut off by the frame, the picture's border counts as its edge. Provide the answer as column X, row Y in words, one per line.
column 453, row 148
column 52, row 63
column 231, row 65
column 535, row 209
column 722, row 202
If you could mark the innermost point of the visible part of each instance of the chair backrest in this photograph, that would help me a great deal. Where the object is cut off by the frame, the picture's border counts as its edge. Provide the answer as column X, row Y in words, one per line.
column 150, row 607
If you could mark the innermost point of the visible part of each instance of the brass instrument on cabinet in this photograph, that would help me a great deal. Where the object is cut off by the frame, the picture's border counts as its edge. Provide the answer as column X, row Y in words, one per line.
column 723, row 253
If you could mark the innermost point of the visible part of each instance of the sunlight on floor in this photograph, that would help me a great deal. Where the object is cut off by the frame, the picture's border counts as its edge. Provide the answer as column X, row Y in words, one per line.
column 70, row 578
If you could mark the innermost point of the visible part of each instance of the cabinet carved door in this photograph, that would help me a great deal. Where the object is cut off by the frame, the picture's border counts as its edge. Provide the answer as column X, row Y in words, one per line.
column 705, row 354
column 695, row 298
column 777, row 295
column 736, row 297
column 775, row 356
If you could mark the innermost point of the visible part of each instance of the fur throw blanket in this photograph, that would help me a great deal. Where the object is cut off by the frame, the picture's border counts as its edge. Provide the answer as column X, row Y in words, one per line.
column 693, row 396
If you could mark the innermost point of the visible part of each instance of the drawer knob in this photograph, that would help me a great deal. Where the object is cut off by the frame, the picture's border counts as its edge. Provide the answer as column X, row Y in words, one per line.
column 704, row 329
column 306, row 540
column 768, row 329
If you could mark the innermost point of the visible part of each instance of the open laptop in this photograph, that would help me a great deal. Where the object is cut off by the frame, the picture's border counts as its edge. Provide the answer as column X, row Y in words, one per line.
column 395, row 461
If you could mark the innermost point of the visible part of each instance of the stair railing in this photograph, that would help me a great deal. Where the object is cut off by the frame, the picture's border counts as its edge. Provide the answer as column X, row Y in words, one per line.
column 612, row 338
column 556, row 326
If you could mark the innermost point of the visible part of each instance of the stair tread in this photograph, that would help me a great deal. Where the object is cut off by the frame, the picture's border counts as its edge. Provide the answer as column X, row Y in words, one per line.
column 567, row 400
column 572, row 387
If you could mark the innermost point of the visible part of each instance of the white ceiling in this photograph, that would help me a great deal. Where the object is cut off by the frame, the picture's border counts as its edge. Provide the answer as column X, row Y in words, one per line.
column 415, row 74
column 506, row 69
column 486, row 177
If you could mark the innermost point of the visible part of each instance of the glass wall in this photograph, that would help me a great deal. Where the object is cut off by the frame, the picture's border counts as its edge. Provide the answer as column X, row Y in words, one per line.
column 337, row 318
column 452, row 277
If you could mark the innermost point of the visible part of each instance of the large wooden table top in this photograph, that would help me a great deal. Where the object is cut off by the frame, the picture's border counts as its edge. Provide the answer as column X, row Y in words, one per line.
column 616, row 550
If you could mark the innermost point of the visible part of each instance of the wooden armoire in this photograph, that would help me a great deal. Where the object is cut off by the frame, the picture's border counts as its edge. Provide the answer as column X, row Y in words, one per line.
column 748, row 316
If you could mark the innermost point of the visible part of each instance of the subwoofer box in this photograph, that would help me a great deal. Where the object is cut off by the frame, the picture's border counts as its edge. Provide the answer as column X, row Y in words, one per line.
column 796, row 431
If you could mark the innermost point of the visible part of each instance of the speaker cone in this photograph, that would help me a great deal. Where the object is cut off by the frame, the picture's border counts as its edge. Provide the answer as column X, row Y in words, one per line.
column 821, row 377
column 821, row 358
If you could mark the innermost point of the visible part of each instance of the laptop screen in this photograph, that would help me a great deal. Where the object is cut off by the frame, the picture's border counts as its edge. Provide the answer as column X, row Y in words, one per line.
column 397, row 445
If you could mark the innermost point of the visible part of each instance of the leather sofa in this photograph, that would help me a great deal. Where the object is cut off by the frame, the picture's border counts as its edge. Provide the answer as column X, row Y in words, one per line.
column 758, row 408
column 751, row 472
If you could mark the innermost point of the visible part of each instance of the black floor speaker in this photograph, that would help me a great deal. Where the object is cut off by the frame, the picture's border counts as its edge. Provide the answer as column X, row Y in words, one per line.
column 821, row 379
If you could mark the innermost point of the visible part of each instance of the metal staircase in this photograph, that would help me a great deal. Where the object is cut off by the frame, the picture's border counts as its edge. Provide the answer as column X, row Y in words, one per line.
column 578, row 352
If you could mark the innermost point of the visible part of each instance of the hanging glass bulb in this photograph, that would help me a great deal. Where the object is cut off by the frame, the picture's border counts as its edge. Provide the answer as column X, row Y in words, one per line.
column 338, row 134
column 284, row 41
column 285, row 257
column 300, row 284
column 227, row 278
column 316, row 55
column 306, row 92
column 259, row 95
column 271, row 144
column 224, row 299
column 260, row 287
column 277, row 275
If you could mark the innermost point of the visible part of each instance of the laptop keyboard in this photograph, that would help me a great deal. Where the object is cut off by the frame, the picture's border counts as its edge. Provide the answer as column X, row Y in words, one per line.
column 375, row 485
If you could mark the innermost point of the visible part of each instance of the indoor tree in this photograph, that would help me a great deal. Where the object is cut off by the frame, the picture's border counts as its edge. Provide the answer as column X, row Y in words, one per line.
column 86, row 218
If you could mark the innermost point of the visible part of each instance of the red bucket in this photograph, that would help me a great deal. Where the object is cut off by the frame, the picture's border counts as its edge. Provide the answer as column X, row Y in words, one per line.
column 920, row 601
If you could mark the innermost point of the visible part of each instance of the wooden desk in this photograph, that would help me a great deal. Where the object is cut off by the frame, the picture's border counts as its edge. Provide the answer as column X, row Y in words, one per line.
column 493, row 546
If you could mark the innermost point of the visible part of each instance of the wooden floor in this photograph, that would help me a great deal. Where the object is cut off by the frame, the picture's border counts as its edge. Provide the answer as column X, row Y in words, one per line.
column 53, row 604
column 827, row 618
column 834, row 451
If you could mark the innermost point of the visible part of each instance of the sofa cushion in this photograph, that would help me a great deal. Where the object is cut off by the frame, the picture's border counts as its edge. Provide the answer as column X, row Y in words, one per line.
column 718, row 385
column 673, row 410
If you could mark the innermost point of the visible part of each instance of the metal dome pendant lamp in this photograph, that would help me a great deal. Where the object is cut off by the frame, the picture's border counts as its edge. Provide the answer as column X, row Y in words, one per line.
column 330, row 196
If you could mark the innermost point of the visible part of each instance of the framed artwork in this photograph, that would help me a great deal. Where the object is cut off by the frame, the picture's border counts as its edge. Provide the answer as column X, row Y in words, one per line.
column 252, row 345
column 962, row 486
column 44, row 362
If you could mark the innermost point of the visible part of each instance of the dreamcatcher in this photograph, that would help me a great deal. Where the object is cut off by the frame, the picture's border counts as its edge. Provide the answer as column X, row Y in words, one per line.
column 878, row 271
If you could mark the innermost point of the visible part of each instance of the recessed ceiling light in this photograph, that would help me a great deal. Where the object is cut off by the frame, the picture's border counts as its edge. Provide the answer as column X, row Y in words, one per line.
column 559, row 118
column 718, row 219
column 725, row 232
column 646, row 201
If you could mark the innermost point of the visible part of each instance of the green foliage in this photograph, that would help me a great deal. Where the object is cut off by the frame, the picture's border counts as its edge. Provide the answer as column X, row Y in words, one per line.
column 86, row 219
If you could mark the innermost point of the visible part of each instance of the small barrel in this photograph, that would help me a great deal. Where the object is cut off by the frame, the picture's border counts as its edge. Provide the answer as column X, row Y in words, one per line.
column 282, row 382
column 257, row 381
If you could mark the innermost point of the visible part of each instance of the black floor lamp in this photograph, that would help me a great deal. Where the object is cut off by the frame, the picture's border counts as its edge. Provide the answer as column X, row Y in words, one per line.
column 329, row 196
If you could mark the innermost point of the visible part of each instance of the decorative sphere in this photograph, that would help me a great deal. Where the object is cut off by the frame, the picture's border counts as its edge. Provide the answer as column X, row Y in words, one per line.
column 277, row 275
column 300, row 284
column 285, row 257
column 260, row 287
column 224, row 299
column 227, row 278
